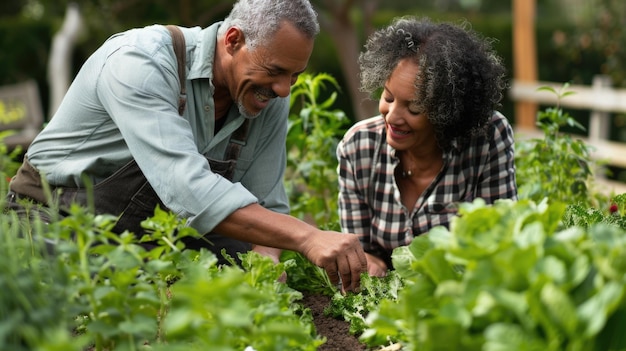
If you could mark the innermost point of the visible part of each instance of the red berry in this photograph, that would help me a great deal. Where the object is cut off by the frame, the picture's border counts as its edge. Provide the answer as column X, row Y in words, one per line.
column 613, row 208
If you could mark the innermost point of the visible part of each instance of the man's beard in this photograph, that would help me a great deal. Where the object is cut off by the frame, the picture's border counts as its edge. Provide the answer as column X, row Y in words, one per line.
column 244, row 111
column 261, row 91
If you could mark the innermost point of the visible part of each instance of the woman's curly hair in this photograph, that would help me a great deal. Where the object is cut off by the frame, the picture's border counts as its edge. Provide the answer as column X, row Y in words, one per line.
column 460, row 81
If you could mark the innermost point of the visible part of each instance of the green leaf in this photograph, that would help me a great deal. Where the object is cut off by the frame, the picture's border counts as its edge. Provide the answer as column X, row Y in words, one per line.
column 595, row 311
column 552, row 268
column 507, row 337
column 436, row 334
column 442, row 238
column 531, row 235
column 145, row 326
column 560, row 309
column 104, row 329
column 435, row 265
column 456, row 312
column 305, row 276
column 516, row 303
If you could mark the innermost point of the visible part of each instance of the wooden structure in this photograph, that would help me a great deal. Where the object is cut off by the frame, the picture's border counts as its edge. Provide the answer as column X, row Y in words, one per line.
column 524, row 58
column 20, row 113
column 599, row 98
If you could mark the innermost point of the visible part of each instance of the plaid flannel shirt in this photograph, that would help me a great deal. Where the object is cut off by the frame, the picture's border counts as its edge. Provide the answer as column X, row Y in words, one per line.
column 369, row 199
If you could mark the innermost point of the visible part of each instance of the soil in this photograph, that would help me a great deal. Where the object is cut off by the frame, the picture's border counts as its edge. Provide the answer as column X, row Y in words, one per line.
column 336, row 331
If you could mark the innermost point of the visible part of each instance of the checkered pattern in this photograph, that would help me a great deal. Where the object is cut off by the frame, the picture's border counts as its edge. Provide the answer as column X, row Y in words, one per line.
column 369, row 198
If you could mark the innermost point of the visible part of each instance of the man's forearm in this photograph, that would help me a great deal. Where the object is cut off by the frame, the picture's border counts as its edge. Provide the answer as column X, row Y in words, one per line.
column 340, row 255
column 260, row 226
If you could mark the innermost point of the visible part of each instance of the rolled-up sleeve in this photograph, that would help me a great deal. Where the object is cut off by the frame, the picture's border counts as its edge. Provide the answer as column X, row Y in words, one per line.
column 136, row 88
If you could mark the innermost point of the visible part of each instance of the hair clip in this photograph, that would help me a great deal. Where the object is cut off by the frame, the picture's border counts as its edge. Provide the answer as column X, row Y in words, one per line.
column 408, row 38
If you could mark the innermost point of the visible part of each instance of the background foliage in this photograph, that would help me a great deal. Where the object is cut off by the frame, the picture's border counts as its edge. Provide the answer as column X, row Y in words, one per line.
column 315, row 127
column 564, row 55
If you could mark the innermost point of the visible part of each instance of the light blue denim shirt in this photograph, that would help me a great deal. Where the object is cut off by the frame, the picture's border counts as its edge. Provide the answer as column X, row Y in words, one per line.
column 123, row 104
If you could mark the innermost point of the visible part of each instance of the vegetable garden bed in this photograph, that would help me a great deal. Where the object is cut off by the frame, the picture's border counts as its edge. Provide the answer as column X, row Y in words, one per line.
column 547, row 272
column 335, row 330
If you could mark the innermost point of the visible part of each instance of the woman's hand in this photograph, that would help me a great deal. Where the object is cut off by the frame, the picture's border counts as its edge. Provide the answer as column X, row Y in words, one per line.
column 376, row 267
column 274, row 254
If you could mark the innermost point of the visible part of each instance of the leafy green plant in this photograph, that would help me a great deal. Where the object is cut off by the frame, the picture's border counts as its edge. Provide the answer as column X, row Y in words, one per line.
column 108, row 292
column 559, row 165
column 314, row 131
column 508, row 277
column 33, row 313
column 231, row 309
column 582, row 216
column 305, row 276
column 118, row 287
column 351, row 306
column 354, row 307
column 9, row 160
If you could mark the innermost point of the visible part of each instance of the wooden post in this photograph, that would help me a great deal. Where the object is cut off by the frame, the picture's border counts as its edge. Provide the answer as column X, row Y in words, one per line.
column 60, row 62
column 524, row 58
column 599, row 122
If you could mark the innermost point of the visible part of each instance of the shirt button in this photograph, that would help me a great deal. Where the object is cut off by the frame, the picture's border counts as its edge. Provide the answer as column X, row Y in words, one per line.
column 207, row 108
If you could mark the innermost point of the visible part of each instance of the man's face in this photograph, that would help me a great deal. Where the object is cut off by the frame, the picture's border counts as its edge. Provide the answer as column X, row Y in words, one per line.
column 269, row 70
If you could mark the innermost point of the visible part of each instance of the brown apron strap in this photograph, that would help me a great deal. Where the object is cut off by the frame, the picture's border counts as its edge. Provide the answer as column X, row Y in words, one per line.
column 237, row 141
column 239, row 137
column 178, row 41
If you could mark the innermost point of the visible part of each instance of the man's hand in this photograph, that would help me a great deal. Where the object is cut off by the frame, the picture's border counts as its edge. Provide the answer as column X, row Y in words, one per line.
column 340, row 255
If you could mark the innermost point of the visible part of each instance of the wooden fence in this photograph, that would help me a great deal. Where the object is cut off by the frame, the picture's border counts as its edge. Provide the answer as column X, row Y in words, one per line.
column 600, row 99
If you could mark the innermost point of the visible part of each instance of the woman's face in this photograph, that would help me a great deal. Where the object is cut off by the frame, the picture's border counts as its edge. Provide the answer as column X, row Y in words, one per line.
column 407, row 125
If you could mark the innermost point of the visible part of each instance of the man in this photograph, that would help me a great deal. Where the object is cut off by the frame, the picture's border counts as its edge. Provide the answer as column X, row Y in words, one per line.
column 120, row 128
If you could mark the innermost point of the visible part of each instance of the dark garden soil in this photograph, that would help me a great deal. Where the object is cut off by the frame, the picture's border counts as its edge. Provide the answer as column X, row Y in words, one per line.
column 336, row 331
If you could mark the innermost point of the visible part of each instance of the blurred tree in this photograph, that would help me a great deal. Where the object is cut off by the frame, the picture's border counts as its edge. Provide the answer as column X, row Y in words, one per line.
column 105, row 17
column 599, row 30
column 10, row 8
column 598, row 38
column 345, row 25
column 348, row 23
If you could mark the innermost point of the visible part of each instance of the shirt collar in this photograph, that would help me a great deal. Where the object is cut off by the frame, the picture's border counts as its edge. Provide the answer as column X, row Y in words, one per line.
column 204, row 53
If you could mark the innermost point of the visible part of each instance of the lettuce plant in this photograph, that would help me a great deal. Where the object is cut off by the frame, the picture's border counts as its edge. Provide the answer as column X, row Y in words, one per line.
column 508, row 277
column 354, row 307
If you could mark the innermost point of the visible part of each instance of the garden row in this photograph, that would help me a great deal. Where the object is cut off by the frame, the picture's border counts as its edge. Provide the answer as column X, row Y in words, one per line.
column 547, row 272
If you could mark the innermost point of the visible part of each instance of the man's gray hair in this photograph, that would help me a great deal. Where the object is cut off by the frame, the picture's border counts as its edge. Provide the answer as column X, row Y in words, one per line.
column 260, row 19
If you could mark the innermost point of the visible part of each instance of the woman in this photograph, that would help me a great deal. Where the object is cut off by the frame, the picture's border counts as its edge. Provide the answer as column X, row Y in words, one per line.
column 438, row 140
